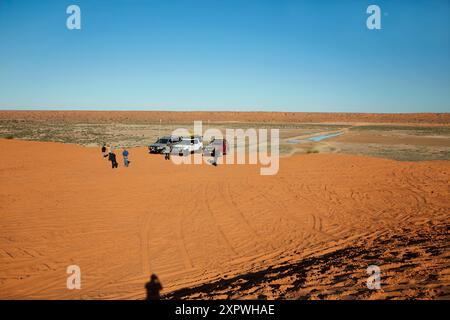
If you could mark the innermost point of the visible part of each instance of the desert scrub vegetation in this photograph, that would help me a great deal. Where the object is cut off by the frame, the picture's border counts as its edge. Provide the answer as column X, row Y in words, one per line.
column 312, row 150
column 414, row 130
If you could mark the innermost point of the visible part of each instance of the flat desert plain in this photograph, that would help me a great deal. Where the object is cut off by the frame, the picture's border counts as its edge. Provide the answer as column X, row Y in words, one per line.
column 308, row 232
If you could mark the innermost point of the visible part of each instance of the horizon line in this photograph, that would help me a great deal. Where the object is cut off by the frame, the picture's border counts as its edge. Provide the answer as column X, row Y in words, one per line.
column 50, row 109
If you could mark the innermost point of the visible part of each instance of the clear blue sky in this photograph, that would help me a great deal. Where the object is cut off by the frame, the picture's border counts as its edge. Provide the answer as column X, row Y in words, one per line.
column 226, row 55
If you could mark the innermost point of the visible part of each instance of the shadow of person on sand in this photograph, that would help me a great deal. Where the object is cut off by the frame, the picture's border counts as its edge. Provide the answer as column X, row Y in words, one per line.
column 153, row 287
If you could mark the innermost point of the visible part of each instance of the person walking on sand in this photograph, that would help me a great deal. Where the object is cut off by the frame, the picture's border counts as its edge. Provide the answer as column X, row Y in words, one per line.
column 125, row 153
column 167, row 150
column 104, row 151
column 112, row 158
column 214, row 155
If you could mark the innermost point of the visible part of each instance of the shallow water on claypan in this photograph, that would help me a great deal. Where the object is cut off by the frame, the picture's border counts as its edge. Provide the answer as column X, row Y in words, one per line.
column 324, row 136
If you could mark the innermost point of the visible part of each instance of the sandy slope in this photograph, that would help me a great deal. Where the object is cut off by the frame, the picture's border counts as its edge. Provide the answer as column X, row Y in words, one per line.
column 194, row 225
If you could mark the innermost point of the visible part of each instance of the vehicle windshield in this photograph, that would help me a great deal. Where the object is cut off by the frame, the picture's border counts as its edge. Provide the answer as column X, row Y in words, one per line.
column 162, row 141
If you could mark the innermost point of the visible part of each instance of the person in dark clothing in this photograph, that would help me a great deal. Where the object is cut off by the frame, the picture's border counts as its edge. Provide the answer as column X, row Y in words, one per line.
column 214, row 155
column 112, row 158
column 104, row 151
column 153, row 287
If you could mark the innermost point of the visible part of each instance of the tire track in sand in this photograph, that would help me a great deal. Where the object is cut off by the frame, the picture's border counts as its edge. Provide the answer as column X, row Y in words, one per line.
column 144, row 229
column 219, row 230
column 145, row 242
column 229, row 196
column 285, row 210
column 188, row 264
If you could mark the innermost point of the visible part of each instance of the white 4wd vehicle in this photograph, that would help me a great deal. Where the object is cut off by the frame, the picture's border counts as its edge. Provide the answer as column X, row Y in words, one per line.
column 187, row 146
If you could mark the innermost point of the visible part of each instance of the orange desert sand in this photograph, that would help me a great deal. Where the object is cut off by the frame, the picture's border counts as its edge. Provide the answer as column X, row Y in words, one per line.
column 220, row 232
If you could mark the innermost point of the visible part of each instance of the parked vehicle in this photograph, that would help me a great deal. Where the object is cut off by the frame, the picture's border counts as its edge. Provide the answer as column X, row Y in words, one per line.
column 187, row 146
column 221, row 146
column 159, row 145
column 200, row 138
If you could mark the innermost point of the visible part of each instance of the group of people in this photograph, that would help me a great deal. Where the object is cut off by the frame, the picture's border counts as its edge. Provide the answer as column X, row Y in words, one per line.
column 108, row 152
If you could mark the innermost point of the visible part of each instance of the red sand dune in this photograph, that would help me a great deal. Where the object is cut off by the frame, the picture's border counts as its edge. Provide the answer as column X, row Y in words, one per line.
column 63, row 204
column 276, row 117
